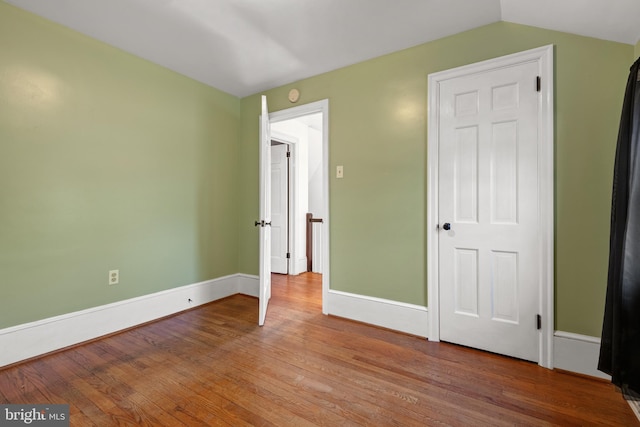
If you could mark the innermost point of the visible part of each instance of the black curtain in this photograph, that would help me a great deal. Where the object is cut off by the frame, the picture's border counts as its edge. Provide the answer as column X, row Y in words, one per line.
column 620, row 347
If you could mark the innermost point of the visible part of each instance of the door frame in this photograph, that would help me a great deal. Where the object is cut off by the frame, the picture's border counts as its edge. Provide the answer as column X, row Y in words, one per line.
column 291, row 142
column 321, row 106
column 543, row 56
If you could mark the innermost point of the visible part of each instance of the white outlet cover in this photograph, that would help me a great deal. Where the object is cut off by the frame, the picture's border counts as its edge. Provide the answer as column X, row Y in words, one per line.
column 114, row 277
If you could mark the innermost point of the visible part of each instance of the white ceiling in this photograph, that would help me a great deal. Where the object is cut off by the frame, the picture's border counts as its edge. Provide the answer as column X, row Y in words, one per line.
column 247, row 46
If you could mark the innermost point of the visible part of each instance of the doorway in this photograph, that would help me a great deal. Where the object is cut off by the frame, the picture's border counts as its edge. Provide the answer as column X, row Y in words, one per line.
column 490, row 205
column 304, row 130
column 282, row 148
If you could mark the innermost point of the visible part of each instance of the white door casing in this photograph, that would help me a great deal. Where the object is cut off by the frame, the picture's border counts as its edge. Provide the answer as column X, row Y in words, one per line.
column 279, row 208
column 491, row 178
column 265, row 214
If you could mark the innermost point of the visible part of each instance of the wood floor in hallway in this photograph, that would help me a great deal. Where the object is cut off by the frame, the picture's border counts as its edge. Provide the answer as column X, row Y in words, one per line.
column 213, row 365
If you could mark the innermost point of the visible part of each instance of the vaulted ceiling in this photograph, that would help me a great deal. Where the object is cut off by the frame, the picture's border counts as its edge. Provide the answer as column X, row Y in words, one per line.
column 246, row 46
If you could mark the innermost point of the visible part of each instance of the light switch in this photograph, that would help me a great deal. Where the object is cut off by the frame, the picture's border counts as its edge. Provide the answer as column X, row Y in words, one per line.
column 339, row 171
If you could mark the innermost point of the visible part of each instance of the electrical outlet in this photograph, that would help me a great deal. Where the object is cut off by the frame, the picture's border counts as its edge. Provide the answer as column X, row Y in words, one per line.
column 114, row 277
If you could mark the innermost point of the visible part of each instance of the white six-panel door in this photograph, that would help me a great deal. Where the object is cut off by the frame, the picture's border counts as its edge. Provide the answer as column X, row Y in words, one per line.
column 489, row 258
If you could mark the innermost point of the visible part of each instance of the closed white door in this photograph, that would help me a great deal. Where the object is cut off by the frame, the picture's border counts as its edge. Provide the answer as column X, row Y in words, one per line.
column 264, row 294
column 279, row 208
column 489, row 223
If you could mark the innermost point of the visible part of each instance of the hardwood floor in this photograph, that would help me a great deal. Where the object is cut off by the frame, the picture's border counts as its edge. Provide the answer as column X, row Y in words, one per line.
column 214, row 366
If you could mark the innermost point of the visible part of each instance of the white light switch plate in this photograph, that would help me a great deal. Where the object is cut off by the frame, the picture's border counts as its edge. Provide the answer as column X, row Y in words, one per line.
column 339, row 171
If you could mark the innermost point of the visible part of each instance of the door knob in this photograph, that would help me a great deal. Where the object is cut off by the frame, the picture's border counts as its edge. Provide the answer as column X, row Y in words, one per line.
column 446, row 226
column 258, row 223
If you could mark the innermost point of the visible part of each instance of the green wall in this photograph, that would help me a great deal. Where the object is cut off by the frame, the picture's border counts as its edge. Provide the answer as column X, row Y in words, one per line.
column 110, row 162
column 106, row 162
column 378, row 132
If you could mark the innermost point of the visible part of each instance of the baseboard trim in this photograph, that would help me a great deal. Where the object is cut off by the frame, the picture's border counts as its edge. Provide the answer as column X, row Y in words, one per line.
column 33, row 339
column 300, row 266
column 577, row 353
column 248, row 285
column 398, row 316
column 572, row 352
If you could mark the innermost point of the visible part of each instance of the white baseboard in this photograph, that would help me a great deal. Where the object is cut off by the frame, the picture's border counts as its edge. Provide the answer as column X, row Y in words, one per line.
column 300, row 266
column 577, row 353
column 572, row 352
column 408, row 318
column 248, row 285
column 43, row 336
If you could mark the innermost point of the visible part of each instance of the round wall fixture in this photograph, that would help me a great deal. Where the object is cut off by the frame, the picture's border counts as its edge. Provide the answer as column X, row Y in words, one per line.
column 294, row 95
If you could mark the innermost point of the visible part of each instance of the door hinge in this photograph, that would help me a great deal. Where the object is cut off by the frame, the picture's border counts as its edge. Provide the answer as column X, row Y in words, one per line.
column 538, row 84
column 288, row 255
column 288, row 153
column 538, row 321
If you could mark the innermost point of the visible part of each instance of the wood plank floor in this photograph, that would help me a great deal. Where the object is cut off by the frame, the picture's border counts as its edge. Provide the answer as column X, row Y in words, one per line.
column 213, row 366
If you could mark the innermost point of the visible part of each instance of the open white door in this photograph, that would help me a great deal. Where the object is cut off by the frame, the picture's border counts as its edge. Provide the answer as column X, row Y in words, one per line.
column 265, row 213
